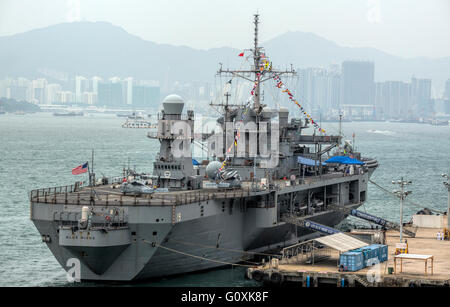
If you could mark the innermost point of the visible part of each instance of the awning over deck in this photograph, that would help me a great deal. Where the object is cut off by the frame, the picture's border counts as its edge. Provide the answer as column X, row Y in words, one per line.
column 344, row 160
column 341, row 242
column 309, row 162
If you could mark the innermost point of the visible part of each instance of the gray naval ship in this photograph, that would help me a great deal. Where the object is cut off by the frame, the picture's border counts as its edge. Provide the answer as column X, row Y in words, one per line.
column 198, row 216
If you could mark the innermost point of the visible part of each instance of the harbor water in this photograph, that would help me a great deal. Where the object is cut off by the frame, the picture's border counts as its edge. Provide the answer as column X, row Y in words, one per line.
column 40, row 150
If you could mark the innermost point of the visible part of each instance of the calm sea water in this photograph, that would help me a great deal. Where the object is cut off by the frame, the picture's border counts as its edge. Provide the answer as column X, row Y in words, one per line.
column 40, row 150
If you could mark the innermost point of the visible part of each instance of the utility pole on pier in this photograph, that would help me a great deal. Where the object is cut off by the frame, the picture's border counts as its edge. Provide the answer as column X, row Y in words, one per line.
column 447, row 184
column 402, row 195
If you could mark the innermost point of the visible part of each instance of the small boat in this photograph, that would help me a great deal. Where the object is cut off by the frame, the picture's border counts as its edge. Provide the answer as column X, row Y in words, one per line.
column 437, row 122
column 122, row 115
column 136, row 116
column 69, row 114
column 132, row 123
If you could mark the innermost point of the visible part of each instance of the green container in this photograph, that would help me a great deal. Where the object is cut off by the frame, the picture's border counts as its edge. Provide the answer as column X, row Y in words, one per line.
column 390, row 270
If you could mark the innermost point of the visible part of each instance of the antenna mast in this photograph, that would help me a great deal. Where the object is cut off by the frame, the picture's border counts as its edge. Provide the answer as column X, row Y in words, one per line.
column 257, row 58
column 255, row 70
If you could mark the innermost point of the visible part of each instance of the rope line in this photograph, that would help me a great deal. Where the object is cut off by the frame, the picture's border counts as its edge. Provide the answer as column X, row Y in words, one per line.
column 198, row 257
column 409, row 201
column 225, row 249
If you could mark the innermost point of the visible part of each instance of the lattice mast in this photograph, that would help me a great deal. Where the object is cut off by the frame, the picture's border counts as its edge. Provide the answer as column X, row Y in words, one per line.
column 257, row 61
column 258, row 75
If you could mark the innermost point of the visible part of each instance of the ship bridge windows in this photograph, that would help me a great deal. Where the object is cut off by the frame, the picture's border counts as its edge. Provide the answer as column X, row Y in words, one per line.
column 167, row 166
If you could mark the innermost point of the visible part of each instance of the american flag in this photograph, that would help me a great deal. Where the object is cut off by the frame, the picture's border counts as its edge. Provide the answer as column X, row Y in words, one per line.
column 80, row 169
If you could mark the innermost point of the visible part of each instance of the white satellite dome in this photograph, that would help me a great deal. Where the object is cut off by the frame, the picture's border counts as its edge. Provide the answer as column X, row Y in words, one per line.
column 212, row 169
column 173, row 105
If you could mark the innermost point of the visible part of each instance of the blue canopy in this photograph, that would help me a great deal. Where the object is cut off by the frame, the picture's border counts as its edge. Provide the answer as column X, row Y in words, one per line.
column 344, row 160
column 309, row 162
column 195, row 162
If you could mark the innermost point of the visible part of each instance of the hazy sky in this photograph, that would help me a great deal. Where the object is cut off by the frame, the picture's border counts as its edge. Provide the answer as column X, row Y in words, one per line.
column 406, row 28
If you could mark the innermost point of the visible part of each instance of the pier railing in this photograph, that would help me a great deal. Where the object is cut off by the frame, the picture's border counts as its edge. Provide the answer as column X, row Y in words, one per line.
column 305, row 252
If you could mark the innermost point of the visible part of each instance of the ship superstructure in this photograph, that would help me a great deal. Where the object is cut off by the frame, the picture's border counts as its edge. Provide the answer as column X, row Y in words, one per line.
column 263, row 171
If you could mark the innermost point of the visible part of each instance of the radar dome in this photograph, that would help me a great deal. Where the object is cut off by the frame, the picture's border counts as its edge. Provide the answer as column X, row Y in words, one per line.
column 212, row 169
column 173, row 105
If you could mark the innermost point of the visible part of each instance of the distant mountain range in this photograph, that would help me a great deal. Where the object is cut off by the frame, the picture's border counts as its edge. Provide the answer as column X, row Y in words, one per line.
column 105, row 50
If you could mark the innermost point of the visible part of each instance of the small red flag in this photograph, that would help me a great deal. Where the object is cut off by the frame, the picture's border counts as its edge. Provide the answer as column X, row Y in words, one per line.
column 241, row 54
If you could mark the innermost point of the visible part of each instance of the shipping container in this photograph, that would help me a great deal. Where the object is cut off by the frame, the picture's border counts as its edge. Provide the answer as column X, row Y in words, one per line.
column 373, row 253
column 382, row 252
column 351, row 261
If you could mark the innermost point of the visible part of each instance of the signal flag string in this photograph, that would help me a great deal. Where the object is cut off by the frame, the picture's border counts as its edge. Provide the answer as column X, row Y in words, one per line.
column 284, row 89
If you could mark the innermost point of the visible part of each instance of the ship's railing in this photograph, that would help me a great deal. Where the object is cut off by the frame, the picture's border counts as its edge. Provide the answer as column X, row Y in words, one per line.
column 67, row 189
column 310, row 180
column 181, row 117
column 79, row 197
column 158, row 135
column 72, row 220
column 35, row 194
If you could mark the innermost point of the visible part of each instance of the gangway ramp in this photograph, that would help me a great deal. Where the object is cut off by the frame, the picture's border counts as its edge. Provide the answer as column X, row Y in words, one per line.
column 310, row 250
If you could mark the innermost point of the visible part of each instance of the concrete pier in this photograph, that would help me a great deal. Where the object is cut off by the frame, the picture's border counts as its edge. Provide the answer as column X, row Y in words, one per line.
column 326, row 272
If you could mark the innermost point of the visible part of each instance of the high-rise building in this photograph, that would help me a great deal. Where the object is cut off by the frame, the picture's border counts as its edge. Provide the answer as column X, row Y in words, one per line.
column 319, row 89
column 128, row 90
column 94, row 84
column 110, row 94
column 381, row 110
column 357, row 83
column 421, row 96
column 447, row 89
column 146, row 96
column 81, row 86
column 447, row 106
column 52, row 91
column 397, row 99
column 3, row 88
column 89, row 98
column 65, row 97
column 19, row 93
column 333, row 90
column 20, row 89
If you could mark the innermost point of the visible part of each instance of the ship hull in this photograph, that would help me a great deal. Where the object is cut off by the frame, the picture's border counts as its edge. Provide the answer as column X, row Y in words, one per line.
column 165, row 248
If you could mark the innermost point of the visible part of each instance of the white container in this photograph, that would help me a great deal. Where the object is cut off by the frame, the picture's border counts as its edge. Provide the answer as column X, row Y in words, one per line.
column 429, row 221
column 84, row 213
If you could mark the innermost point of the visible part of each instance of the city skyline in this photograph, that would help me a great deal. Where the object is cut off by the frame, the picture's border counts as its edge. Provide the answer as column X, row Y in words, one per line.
column 349, row 87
